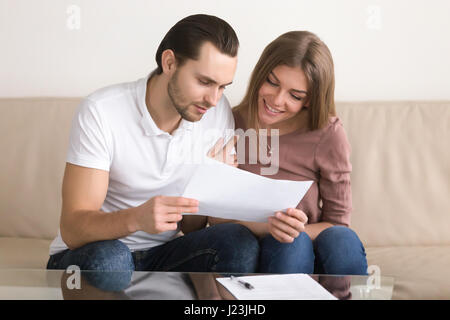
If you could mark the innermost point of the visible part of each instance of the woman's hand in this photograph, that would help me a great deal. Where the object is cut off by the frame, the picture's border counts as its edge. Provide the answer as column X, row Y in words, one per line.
column 223, row 153
column 286, row 226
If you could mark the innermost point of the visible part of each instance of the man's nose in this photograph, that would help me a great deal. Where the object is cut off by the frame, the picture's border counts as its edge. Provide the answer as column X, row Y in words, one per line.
column 212, row 98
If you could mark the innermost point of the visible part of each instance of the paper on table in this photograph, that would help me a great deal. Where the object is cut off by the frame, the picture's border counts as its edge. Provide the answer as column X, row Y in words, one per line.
column 227, row 192
column 277, row 287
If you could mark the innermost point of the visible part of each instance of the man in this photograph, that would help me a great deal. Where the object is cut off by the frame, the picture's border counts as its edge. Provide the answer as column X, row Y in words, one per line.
column 124, row 174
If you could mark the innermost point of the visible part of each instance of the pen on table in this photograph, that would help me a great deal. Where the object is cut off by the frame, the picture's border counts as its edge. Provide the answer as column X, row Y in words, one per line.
column 245, row 284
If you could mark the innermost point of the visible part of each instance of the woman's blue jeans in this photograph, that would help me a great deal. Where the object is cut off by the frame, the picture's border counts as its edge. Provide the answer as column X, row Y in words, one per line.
column 336, row 250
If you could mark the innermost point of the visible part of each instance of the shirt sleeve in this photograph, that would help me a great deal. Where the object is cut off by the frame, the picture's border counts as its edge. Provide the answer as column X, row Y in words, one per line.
column 87, row 142
column 333, row 160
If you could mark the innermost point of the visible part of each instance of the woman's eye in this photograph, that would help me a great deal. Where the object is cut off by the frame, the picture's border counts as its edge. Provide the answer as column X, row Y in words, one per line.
column 271, row 82
column 296, row 98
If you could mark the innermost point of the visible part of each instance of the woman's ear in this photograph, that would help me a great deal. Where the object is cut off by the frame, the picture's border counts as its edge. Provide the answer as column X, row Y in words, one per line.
column 168, row 61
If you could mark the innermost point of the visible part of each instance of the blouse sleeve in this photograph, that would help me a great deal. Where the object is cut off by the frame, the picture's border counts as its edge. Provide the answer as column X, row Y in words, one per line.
column 333, row 161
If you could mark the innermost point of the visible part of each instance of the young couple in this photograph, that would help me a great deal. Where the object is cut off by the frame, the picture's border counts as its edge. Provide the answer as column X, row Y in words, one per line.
column 123, row 180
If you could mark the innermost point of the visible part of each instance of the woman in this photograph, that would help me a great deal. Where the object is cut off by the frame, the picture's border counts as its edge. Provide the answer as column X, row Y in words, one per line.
column 292, row 90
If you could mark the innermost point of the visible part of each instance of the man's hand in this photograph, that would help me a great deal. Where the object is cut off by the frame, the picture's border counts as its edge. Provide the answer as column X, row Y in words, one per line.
column 222, row 153
column 286, row 226
column 161, row 213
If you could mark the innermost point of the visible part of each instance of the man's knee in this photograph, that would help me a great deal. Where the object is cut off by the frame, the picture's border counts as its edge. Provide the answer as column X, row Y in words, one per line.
column 239, row 249
column 107, row 255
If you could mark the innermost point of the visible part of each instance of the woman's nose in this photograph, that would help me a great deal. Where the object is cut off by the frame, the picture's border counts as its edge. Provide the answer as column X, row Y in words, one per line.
column 278, row 98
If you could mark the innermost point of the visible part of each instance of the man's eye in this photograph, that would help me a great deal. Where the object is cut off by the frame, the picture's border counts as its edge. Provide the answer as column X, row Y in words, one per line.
column 203, row 82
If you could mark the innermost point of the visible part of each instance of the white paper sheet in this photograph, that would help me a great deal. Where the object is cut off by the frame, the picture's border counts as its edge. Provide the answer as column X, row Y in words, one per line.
column 227, row 192
column 277, row 287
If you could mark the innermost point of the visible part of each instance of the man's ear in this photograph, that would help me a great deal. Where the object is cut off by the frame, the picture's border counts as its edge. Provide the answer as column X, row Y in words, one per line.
column 168, row 62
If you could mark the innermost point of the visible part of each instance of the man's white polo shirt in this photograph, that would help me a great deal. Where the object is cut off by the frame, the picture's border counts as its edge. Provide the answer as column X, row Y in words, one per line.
column 112, row 130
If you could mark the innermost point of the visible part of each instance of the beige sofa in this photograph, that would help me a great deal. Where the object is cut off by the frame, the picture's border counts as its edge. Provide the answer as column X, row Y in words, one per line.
column 400, row 182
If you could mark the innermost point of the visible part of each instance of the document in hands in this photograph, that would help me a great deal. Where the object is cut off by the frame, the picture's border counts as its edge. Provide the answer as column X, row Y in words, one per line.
column 227, row 192
column 277, row 287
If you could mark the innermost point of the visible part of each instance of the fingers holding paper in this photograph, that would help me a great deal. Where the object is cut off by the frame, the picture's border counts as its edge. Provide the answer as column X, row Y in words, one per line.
column 222, row 153
column 286, row 226
column 162, row 213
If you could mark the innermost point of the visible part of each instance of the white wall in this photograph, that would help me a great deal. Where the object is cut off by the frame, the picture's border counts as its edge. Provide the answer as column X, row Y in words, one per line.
column 382, row 49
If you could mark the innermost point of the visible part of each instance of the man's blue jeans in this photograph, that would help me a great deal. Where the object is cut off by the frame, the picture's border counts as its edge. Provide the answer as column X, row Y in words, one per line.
column 336, row 250
column 226, row 248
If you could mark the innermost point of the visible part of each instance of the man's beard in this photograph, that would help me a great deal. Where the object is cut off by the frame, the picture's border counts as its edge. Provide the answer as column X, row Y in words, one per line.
column 176, row 97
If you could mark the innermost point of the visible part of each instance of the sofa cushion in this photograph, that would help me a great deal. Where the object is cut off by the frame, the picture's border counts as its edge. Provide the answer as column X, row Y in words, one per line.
column 419, row 272
column 23, row 253
column 401, row 174
column 34, row 135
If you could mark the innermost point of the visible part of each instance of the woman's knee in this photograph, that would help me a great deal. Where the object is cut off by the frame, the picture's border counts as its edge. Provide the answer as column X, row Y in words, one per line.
column 294, row 257
column 340, row 251
column 337, row 233
column 302, row 244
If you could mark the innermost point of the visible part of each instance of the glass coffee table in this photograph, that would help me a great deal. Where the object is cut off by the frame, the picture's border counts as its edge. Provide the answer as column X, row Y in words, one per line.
column 30, row 284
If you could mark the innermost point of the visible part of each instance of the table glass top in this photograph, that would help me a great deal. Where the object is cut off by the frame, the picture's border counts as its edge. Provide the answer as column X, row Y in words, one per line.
column 126, row 285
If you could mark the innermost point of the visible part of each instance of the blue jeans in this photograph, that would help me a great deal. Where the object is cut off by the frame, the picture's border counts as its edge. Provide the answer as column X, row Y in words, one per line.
column 225, row 248
column 336, row 250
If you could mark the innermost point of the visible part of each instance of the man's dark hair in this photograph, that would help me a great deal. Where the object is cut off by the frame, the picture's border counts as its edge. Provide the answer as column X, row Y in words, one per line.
column 187, row 36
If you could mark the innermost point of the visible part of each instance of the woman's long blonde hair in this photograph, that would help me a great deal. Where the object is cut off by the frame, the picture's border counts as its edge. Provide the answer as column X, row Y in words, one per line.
column 295, row 49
